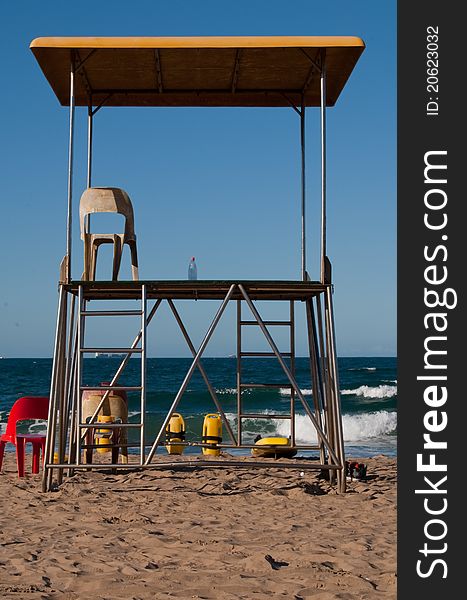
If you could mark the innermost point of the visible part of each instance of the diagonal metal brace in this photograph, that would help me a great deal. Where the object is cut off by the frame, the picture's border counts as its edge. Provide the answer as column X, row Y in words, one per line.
column 202, row 371
column 291, row 378
column 193, row 366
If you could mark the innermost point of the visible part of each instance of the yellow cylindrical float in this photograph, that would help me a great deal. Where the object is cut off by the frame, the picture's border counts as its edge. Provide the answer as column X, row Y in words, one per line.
column 114, row 406
column 104, row 436
column 56, row 461
column 175, row 432
column 212, row 434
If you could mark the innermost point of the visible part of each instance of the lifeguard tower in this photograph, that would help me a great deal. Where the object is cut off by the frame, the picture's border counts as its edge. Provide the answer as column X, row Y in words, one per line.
column 103, row 72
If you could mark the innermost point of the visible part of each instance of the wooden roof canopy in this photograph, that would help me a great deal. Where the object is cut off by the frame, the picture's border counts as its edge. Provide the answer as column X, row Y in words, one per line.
column 197, row 71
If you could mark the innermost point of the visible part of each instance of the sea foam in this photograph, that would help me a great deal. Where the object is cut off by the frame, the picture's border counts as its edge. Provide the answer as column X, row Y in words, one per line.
column 380, row 391
column 356, row 428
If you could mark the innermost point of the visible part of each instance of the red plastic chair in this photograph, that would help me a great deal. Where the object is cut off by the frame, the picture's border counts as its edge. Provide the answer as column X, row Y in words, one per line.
column 25, row 408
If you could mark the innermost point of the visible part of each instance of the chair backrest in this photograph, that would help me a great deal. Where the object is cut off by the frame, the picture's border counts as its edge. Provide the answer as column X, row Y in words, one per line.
column 110, row 200
column 27, row 407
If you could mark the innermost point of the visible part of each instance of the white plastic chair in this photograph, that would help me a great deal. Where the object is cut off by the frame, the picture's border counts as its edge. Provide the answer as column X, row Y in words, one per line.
column 110, row 200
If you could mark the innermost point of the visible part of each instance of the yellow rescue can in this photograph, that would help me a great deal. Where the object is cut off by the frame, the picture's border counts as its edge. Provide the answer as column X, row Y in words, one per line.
column 175, row 432
column 212, row 434
column 104, row 436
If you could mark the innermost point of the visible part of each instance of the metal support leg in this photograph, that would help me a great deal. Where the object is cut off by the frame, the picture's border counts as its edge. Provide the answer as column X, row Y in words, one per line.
column 292, row 370
column 335, row 377
column 66, row 369
column 239, row 372
column 303, row 204
column 325, row 375
column 143, row 371
column 52, row 416
column 323, row 168
column 318, row 393
column 70, row 172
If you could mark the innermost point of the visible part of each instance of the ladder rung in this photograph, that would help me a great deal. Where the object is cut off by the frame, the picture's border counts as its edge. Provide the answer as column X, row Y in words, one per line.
column 111, row 350
column 289, row 323
column 286, row 354
column 265, row 385
column 106, row 313
column 123, row 388
column 263, row 416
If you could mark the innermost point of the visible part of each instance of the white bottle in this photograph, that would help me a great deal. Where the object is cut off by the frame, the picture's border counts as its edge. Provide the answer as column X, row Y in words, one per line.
column 192, row 270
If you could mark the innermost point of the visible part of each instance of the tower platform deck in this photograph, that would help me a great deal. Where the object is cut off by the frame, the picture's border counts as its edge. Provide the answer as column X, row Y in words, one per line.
column 197, row 290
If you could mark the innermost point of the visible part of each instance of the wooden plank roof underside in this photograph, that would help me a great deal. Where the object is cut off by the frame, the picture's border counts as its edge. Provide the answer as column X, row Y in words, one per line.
column 197, row 71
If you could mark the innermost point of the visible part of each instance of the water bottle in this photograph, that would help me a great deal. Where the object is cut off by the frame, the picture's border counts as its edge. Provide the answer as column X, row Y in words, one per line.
column 192, row 270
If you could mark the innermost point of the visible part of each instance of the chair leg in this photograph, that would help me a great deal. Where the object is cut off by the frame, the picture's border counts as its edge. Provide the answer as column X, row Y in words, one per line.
column 89, row 440
column 117, row 257
column 134, row 260
column 87, row 260
column 20, row 443
column 92, row 275
column 36, row 454
column 115, row 439
column 2, row 451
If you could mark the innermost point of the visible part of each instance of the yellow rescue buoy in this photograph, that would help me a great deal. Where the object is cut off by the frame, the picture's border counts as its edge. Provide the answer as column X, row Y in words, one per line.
column 115, row 404
column 279, row 448
column 104, row 436
column 175, row 432
column 56, row 461
column 212, row 434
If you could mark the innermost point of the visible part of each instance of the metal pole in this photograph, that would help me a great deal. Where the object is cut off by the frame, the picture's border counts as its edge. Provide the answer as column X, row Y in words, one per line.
column 70, row 366
column 70, row 169
column 331, row 383
column 211, row 464
column 323, row 166
column 50, row 439
column 90, row 124
column 87, row 218
column 143, row 369
column 302, row 143
column 62, row 386
column 239, row 372
column 286, row 370
column 73, row 404
column 321, row 351
column 55, row 396
column 184, row 385
column 292, row 369
column 201, row 369
column 339, row 432
column 318, row 393
column 79, row 369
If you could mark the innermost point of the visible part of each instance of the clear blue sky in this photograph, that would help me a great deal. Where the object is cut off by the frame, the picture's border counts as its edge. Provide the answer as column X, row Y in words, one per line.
column 220, row 184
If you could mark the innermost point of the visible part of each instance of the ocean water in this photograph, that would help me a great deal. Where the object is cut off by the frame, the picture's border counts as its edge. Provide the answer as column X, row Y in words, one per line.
column 368, row 393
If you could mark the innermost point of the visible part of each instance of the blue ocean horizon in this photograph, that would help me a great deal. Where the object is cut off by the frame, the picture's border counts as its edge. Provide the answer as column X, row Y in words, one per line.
column 368, row 388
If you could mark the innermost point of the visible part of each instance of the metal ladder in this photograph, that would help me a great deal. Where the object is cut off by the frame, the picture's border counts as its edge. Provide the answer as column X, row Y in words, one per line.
column 137, row 347
column 241, row 415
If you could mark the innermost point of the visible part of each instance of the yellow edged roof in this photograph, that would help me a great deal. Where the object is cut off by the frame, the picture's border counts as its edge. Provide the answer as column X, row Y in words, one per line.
column 197, row 71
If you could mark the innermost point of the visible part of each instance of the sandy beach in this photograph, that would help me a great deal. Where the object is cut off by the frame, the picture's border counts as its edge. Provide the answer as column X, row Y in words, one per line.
column 199, row 534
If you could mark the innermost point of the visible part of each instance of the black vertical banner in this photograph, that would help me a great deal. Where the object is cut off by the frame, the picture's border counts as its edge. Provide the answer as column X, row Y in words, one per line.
column 432, row 269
